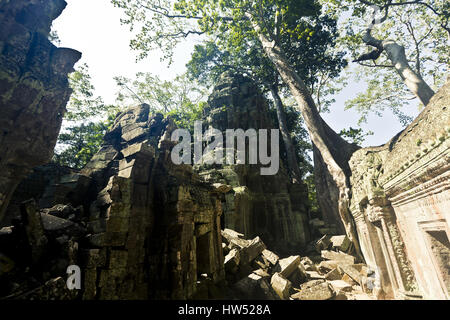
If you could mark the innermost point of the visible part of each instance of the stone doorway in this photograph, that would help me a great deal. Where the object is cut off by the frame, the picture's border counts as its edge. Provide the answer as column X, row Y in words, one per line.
column 438, row 245
column 203, row 258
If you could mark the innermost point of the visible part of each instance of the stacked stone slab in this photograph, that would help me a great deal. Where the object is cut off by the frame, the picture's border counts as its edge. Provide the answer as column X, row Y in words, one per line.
column 151, row 231
column 267, row 206
column 33, row 89
column 156, row 224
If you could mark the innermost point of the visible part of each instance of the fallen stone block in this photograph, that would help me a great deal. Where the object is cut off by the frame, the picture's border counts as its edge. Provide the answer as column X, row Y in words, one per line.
column 262, row 273
column 252, row 250
column 323, row 243
column 225, row 249
column 351, row 272
column 340, row 296
column 349, row 280
column 6, row 231
column 254, row 287
column 333, row 275
column 232, row 261
column 327, row 266
column 308, row 264
column 229, row 234
column 281, row 286
column 6, row 264
column 288, row 265
column 58, row 226
column 340, row 286
column 270, row 256
column 238, row 243
column 298, row 276
column 314, row 275
column 362, row 268
column 341, row 243
column 338, row 256
column 315, row 291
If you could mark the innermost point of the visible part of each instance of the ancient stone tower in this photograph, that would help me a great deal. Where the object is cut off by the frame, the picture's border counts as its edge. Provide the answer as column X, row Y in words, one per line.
column 267, row 206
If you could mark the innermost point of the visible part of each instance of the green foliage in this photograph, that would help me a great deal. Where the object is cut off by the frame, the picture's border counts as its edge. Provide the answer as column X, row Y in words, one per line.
column 83, row 104
column 85, row 122
column 420, row 26
column 311, row 56
column 78, row 144
column 161, row 95
column 181, row 98
column 312, row 196
column 355, row 135
column 384, row 91
column 163, row 24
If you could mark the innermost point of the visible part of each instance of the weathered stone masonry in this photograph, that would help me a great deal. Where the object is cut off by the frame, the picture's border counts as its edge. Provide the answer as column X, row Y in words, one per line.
column 33, row 89
column 267, row 206
column 155, row 226
column 401, row 202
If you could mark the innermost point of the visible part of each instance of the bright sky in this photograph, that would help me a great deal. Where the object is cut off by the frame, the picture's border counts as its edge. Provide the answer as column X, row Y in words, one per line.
column 93, row 28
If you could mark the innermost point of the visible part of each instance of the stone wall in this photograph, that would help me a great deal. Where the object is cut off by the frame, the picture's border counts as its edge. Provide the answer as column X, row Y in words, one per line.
column 256, row 205
column 33, row 89
column 155, row 226
column 143, row 228
column 400, row 204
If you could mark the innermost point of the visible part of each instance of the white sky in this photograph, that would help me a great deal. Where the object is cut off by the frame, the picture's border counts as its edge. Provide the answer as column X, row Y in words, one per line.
column 93, row 28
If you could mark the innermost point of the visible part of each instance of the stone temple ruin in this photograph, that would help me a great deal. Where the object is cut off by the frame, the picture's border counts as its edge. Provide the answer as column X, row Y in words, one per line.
column 141, row 227
column 401, row 202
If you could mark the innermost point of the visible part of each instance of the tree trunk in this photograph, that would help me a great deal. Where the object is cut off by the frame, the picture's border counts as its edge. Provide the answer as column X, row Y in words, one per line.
column 334, row 150
column 292, row 160
column 396, row 54
column 325, row 185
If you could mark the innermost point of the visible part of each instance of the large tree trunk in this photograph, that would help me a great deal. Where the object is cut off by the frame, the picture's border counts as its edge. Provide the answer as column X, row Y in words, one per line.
column 335, row 151
column 292, row 160
column 325, row 185
column 396, row 54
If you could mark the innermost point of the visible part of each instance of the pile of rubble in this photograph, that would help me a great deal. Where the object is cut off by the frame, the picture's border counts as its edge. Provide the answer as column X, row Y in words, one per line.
column 36, row 251
column 329, row 273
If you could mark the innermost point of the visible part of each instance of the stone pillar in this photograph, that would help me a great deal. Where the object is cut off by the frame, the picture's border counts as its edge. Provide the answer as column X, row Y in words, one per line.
column 400, row 273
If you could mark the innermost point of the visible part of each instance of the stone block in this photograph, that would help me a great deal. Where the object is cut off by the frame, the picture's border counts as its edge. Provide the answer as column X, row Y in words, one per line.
column 323, row 243
column 288, row 265
column 262, row 273
column 314, row 275
column 349, row 280
column 352, row 272
column 333, row 275
column 327, row 265
column 314, row 291
column 254, row 248
column 270, row 256
column 340, row 286
column 341, row 243
column 118, row 259
column 232, row 261
column 254, row 287
column 139, row 149
column 93, row 258
column 338, row 256
column 281, row 286
column 229, row 234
